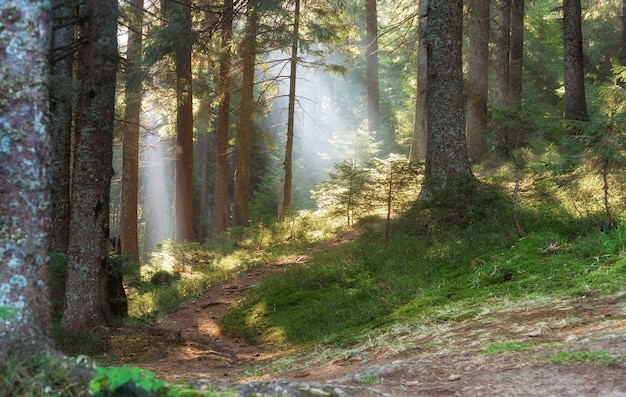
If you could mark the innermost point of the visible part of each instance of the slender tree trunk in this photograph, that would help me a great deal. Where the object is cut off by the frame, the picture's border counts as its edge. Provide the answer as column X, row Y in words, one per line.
column 371, row 63
column 86, row 298
column 574, row 78
column 221, row 144
column 129, row 236
column 446, row 154
column 622, row 53
column 283, row 210
column 517, row 52
column 503, row 45
column 184, row 126
column 61, row 112
column 25, row 186
column 420, row 124
column 477, row 76
column 246, row 118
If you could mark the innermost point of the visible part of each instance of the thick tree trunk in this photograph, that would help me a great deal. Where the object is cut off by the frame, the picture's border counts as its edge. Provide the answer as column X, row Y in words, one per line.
column 61, row 108
column 246, row 117
column 420, row 124
column 503, row 48
column 184, row 126
column 371, row 64
column 446, row 154
column 24, row 159
column 86, row 299
column 517, row 52
column 285, row 203
column 220, row 222
column 574, row 78
column 477, row 76
column 129, row 236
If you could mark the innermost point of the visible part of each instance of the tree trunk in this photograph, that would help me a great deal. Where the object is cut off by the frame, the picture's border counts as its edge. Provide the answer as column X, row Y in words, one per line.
column 129, row 236
column 574, row 78
column 285, row 203
column 420, row 124
column 517, row 52
column 61, row 108
column 246, row 117
column 446, row 154
column 86, row 300
column 371, row 63
column 477, row 76
column 622, row 53
column 501, row 88
column 220, row 222
column 25, row 159
column 184, row 125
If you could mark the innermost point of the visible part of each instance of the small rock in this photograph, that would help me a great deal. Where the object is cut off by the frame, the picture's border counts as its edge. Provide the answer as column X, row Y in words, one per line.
column 454, row 377
column 535, row 333
column 412, row 383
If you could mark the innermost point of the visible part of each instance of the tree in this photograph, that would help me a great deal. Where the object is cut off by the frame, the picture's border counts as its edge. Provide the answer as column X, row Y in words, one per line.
column 420, row 124
column 285, row 200
column 477, row 76
column 446, row 154
column 220, row 222
column 574, row 78
column 622, row 53
column 371, row 62
column 246, row 118
column 181, row 17
column 129, row 236
column 503, row 48
column 25, row 153
column 516, row 57
column 86, row 298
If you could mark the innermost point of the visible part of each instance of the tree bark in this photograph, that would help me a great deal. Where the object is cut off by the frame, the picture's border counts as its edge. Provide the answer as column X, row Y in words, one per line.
column 503, row 48
column 62, row 96
column 446, row 154
column 420, row 124
column 371, row 64
column 25, row 156
column 574, row 78
column 246, row 118
column 86, row 299
column 517, row 52
column 129, row 236
column 477, row 76
column 220, row 222
column 184, row 125
column 285, row 203
column 622, row 53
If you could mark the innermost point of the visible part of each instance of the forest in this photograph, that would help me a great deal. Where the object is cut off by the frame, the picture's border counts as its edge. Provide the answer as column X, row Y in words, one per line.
column 396, row 164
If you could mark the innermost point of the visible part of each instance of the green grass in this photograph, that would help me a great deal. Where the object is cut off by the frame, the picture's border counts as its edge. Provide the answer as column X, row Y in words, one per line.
column 583, row 356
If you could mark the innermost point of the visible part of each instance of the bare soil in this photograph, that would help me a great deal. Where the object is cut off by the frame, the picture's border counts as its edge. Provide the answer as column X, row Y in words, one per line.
column 438, row 359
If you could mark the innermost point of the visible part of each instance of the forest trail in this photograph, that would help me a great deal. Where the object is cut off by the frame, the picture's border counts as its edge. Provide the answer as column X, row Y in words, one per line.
column 441, row 358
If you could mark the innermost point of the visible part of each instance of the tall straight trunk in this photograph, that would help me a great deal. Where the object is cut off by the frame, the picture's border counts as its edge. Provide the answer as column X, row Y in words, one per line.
column 371, row 64
column 184, row 126
column 574, row 78
column 420, row 124
column 477, row 76
column 86, row 298
column 285, row 203
column 503, row 45
column 446, row 154
column 220, row 221
column 246, row 118
column 24, row 183
column 517, row 52
column 129, row 236
column 622, row 53
column 61, row 112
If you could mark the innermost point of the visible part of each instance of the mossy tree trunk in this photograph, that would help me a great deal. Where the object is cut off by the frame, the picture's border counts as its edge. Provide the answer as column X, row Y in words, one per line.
column 86, row 297
column 220, row 221
column 25, row 152
column 446, row 154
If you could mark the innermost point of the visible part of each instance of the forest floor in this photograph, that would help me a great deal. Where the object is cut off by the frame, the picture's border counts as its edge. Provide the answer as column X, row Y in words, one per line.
column 543, row 347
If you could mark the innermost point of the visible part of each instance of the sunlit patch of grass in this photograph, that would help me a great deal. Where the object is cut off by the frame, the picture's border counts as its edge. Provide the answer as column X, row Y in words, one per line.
column 583, row 356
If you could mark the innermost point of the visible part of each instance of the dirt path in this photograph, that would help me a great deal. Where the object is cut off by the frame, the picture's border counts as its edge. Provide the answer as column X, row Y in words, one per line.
column 438, row 359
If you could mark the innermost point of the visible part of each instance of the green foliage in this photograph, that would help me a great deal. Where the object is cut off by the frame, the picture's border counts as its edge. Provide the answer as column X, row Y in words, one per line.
column 7, row 313
column 108, row 380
